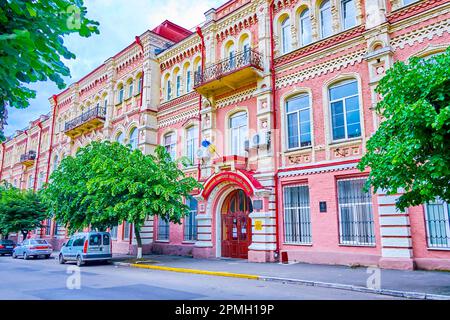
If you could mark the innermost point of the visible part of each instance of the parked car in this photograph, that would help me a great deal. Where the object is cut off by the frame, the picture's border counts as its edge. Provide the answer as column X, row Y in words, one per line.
column 33, row 248
column 85, row 247
column 6, row 247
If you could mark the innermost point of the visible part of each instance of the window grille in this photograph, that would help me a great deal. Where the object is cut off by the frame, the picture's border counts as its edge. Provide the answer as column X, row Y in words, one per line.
column 297, row 216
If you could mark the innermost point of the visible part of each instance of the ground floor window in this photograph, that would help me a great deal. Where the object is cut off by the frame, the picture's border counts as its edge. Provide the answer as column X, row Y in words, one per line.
column 297, row 216
column 190, row 221
column 113, row 233
column 438, row 225
column 48, row 227
column 356, row 222
column 163, row 229
column 126, row 231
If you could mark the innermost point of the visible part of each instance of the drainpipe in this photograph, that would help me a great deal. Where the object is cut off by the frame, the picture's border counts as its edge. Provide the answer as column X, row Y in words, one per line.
column 50, row 150
column 3, row 160
column 22, row 174
column 274, row 119
column 200, row 34
column 38, row 156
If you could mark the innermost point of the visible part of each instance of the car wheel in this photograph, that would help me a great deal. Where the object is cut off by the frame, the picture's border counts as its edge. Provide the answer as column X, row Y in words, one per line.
column 80, row 261
column 1, row 254
column 14, row 256
column 61, row 259
column 25, row 256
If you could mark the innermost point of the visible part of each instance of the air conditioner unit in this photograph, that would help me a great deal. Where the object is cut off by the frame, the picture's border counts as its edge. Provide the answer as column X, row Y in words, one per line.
column 203, row 154
column 260, row 140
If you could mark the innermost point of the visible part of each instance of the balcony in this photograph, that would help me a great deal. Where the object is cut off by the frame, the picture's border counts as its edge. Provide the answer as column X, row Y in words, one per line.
column 88, row 121
column 28, row 158
column 229, row 74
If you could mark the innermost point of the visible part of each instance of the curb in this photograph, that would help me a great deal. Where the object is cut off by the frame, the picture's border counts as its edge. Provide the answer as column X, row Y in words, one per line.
column 348, row 287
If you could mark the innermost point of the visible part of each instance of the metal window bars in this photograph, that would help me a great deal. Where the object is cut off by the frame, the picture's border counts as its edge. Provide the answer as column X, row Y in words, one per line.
column 438, row 224
column 297, row 216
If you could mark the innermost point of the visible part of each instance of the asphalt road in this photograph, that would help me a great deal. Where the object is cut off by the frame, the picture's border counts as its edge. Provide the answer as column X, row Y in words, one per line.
column 47, row 280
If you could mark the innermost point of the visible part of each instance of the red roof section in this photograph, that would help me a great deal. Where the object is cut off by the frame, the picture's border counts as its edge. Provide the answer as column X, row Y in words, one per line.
column 172, row 31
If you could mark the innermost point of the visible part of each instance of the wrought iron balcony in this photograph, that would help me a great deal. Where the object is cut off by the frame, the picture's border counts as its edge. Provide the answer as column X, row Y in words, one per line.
column 241, row 69
column 88, row 121
column 28, row 158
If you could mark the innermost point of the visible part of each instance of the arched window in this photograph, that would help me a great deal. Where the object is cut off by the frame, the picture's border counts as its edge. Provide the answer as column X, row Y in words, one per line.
column 245, row 45
column 178, row 80
column 305, row 27
column 298, row 117
column 120, row 94
column 130, row 89
column 169, row 90
column 191, row 143
column 231, row 54
column 170, row 144
column 348, row 10
column 139, row 83
column 55, row 162
column 286, row 35
column 345, row 112
column 188, row 81
column 134, row 138
column 119, row 138
column 326, row 19
column 238, row 132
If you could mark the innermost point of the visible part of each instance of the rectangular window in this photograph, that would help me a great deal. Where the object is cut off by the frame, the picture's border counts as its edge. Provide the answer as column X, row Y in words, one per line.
column 190, row 221
column 121, row 95
column 170, row 144
column 178, row 86
column 169, row 90
column 348, row 14
column 345, row 113
column 297, row 216
column 356, row 223
column 298, row 122
column 126, row 231
column 191, row 143
column 48, row 227
column 438, row 224
column 163, row 229
column 114, row 233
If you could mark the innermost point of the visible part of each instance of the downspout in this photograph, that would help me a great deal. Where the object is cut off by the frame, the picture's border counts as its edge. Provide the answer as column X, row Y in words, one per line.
column 200, row 34
column 22, row 174
column 50, row 150
column 38, row 156
column 3, row 160
column 274, row 119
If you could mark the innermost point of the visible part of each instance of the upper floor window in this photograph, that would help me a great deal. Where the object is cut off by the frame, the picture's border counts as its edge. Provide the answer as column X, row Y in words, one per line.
column 41, row 180
column 238, row 130
column 120, row 94
column 191, row 143
column 134, row 138
column 345, row 113
column 231, row 53
column 437, row 216
column 326, row 19
column 55, row 163
column 139, row 82
column 298, row 111
column 169, row 90
column 178, row 78
column 305, row 27
column 348, row 13
column 246, row 49
column 31, row 182
column 188, row 81
column 170, row 144
column 286, row 35
column 130, row 89
column 119, row 138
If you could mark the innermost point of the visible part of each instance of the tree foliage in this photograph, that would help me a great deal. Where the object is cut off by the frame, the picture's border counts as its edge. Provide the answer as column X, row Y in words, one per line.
column 32, row 44
column 108, row 183
column 411, row 149
column 20, row 210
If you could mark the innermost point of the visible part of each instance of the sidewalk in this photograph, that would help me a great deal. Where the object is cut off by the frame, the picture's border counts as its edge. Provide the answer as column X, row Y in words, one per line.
column 422, row 282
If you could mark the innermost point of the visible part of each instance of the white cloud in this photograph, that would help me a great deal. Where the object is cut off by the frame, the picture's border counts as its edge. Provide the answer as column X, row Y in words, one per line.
column 120, row 21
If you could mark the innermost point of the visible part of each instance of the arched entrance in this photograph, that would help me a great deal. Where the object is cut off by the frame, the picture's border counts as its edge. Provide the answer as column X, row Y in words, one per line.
column 236, row 225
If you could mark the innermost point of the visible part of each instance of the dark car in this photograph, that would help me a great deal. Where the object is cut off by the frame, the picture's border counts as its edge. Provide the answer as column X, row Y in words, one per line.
column 6, row 247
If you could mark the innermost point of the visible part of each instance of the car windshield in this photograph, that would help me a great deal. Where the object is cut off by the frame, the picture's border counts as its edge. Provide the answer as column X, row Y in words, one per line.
column 38, row 242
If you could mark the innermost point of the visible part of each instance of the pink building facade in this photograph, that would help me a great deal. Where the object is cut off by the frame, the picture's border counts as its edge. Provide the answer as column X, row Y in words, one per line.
column 284, row 92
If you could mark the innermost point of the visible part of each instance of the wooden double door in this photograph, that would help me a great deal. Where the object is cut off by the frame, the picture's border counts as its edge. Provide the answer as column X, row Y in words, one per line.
column 236, row 225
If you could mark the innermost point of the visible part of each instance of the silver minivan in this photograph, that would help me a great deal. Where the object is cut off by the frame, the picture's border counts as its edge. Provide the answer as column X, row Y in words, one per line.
column 87, row 246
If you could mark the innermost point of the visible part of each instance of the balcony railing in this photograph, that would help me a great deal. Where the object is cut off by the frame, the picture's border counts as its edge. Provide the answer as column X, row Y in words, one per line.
column 241, row 60
column 28, row 158
column 86, row 121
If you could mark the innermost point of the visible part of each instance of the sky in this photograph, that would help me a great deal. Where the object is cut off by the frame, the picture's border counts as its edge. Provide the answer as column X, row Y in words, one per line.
column 120, row 21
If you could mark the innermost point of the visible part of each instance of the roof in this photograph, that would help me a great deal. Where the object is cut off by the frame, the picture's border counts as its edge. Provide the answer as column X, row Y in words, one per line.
column 172, row 31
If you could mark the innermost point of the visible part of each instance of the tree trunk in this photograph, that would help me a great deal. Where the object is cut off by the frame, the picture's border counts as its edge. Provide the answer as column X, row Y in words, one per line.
column 137, row 234
column 25, row 235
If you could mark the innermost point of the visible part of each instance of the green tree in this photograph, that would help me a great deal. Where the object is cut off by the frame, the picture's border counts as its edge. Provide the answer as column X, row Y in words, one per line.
column 21, row 211
column 108, row 183
column 32, row 44
column 411, row 149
